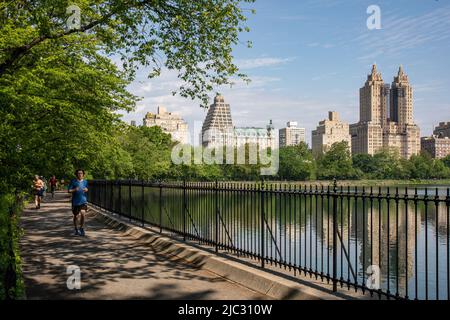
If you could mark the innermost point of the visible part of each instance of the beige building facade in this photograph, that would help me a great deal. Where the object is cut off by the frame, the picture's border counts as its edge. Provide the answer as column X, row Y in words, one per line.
column 437, row 147
column 170, row 123
column 328, row 132
column 442, row 130
column 386, row 117
column 292, row 135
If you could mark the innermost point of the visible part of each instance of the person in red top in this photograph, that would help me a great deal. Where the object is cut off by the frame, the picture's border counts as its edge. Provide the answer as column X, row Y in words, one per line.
column 53, row 183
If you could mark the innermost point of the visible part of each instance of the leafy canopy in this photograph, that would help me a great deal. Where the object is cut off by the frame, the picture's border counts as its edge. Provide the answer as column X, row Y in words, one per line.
column 59, row 89
column 194, row 37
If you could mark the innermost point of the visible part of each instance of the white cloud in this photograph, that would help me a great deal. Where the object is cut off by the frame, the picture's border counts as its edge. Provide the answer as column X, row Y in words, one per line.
column 433, row 86
column 261, row 62
column 404, row 33
column 321, row 45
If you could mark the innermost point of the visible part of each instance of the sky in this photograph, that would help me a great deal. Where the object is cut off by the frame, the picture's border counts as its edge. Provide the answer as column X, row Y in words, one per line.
column 312, row 56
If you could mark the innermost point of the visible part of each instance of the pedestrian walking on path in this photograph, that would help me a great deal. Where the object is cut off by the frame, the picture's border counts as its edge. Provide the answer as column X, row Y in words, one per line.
column 38, row 189
column 78, row 189
column 53, row 183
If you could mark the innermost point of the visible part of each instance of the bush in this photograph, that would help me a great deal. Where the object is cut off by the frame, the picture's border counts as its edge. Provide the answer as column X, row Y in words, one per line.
column 337, row 163
column 11, row 282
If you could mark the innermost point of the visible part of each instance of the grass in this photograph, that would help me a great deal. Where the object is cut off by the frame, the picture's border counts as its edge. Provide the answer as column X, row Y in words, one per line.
column 377, row 183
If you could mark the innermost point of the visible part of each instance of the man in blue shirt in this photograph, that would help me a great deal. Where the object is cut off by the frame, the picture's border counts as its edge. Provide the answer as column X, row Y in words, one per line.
column 78, row 189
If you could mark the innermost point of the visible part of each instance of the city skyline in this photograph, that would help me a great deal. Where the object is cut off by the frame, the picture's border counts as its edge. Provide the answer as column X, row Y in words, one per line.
column 390, row 108
column 301, row 78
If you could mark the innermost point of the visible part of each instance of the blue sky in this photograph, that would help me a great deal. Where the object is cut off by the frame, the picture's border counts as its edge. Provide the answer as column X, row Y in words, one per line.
column 312, row 56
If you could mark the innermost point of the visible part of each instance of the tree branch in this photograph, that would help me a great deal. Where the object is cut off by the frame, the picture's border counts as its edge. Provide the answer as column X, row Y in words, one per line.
column 19, row 52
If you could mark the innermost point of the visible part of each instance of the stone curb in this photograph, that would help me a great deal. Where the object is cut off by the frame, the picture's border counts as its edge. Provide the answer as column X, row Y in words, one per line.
column 257, row 280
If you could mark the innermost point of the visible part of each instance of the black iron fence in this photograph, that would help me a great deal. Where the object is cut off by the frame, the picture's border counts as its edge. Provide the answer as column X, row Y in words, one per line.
column 389, row 242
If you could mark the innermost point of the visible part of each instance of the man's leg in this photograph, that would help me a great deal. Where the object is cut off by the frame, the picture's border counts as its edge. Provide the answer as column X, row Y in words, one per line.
column 82, row 213
column 82, row 219
column 76, row 213
column 75, row 221
column 36, row 199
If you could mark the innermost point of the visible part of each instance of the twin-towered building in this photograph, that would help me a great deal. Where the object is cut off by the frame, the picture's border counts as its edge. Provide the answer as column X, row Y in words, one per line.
column 386, row 117
column 385, row 120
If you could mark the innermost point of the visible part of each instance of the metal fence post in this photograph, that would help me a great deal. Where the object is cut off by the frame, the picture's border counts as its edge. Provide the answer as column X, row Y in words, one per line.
column 142, row 203
column 129, row 198
column 184, row 210
column 216, row 217
column 335, row 229
column 111, row 194
column 105, row 207
column 120, row 197
column 262, row 224
column 160, row 207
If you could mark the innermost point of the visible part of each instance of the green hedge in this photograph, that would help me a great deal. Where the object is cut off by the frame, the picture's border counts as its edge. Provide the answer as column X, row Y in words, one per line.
column 11, row 281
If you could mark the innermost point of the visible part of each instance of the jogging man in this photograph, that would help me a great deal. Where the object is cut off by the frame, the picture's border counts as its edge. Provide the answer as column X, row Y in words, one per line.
column 44, row 188
column 78, row 189
column 53, row 183
column 38, row 189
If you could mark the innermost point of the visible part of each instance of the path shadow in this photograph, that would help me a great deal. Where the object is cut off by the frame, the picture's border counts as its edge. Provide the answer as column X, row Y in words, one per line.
column 106, row 259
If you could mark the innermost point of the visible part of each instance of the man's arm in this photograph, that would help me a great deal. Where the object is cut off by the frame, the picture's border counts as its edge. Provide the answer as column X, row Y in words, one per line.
column 71, row 188
column 85, row 189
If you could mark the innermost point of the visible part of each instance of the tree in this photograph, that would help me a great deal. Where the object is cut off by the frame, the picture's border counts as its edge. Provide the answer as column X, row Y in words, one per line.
column 149, row 149
column 440, row 170
column 420, row 166
column 446, row 161
column 423, row 166
column 59, row 89
column 297, row 163
column 364, row 163
column 336, row 163
column 387, row 164
column 58, row 114
column 193, row 37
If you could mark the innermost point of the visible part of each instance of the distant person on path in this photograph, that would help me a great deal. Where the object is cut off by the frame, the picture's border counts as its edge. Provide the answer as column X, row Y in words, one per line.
column 78, row 189
column 53, row 182
column 38, row 189
column 44, row 192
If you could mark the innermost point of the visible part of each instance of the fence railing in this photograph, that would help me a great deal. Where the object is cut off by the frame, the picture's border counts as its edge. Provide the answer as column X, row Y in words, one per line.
column 389, row 242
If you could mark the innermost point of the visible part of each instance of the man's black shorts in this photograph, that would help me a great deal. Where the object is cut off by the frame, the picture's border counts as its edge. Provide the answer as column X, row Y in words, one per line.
column 77, row 209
